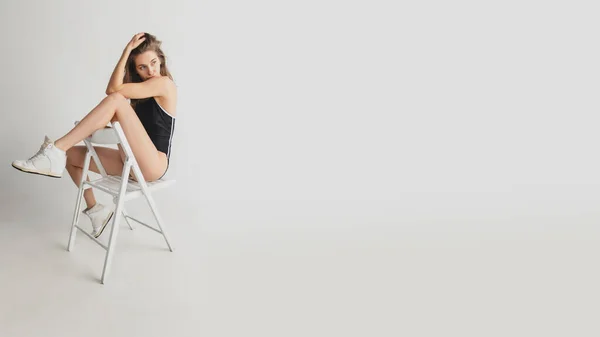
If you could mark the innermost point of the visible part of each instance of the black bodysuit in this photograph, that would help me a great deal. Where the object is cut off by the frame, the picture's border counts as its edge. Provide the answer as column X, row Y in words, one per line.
column 158, row 124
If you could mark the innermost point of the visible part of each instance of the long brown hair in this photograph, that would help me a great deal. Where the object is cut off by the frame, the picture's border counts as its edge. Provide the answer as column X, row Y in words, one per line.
column 150, row 43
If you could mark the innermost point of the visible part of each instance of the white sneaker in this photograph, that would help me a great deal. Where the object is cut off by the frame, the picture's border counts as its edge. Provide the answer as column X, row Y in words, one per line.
column 99, row 216
column 49, row 161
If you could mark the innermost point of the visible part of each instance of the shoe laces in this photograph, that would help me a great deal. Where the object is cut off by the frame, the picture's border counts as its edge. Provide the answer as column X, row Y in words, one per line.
column 40, row 153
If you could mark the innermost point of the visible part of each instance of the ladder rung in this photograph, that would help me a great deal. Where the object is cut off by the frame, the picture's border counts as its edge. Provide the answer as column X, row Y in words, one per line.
column 91, row 237
column 112, row 185
column 101, row 188
column 144, row 224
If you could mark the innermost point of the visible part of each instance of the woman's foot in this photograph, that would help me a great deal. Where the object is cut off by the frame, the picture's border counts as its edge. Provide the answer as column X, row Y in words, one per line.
column 49, row 161
column 100, row 216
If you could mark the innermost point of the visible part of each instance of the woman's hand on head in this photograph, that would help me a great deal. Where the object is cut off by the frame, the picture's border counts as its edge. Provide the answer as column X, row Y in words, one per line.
column 136, row 40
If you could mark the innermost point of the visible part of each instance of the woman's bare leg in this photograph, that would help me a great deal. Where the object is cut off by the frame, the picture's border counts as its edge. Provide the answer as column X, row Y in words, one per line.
column 51, row 159
column 94, row 120
column 152, row 162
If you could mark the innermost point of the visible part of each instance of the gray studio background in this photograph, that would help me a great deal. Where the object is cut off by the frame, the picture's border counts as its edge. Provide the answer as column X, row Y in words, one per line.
column 343, row 168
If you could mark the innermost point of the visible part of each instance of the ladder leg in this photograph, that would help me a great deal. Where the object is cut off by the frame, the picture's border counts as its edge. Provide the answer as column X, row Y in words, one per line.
column 115, row 224
column 152, row 204
column 73, row 233
column 158, row 218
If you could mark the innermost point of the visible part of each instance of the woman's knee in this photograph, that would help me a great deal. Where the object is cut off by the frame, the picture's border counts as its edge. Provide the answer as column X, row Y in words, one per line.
column 116, row 99
column 116, row 96
column 120, row 105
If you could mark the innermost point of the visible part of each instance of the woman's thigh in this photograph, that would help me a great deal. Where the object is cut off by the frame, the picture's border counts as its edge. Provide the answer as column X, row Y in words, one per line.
column 152, row 162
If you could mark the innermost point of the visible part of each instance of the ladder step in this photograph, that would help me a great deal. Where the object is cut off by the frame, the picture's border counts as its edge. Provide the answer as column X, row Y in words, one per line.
column 112, row 184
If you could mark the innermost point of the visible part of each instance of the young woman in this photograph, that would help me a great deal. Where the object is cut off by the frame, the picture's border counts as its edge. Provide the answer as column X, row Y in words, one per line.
column 148, row 121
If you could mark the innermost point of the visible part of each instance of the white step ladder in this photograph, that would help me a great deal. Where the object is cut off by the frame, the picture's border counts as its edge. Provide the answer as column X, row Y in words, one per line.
column 121, row 188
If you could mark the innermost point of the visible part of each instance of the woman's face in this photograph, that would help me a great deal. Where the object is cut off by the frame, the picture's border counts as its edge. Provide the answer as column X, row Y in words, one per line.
column 147, row 65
